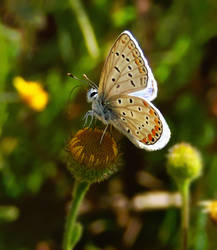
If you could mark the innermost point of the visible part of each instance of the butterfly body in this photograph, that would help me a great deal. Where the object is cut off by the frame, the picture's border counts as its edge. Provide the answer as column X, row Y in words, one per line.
column 101, row 109
column 123, row 99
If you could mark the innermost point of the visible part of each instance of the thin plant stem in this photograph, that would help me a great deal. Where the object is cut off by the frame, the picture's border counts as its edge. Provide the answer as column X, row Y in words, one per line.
column 184, row 188
column 80, row 189
column 86, row 28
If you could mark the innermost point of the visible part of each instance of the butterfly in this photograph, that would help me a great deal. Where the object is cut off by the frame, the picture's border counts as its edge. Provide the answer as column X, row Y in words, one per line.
column 123, row 98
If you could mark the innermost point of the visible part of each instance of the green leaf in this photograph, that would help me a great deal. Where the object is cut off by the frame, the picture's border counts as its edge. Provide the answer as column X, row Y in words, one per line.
column 77, row 232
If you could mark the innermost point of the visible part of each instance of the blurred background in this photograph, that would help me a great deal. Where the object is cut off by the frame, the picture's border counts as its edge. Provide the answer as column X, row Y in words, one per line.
column 40, row 41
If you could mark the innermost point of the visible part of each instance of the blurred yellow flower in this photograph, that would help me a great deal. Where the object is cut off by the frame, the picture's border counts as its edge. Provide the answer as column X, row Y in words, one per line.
column 31, row 93
column 210, row 207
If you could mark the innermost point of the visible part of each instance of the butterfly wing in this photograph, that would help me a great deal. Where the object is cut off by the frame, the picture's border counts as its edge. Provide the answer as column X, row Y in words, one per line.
column 140, row 121
column 126, row 70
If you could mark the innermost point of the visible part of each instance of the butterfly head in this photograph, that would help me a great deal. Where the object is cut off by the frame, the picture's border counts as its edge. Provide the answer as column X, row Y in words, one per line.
column 92, row 94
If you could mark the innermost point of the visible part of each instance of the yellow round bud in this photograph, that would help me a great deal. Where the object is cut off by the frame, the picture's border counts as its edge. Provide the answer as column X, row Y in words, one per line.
column 92, row 159
column 184, row 162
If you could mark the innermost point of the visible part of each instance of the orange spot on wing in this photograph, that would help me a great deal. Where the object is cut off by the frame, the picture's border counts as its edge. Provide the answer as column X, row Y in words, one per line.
column 144, row 140
column 153, row 132
column 151, row 112
column 141, row 70
column 156, row 120
column 135, row 55
column 156, row 128
column 149, row 137
column 136, row 60
column 145, row 103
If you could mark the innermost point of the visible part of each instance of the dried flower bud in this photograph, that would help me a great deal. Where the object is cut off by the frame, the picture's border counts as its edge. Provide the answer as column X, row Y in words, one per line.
column 184, row 162
column 90, row 160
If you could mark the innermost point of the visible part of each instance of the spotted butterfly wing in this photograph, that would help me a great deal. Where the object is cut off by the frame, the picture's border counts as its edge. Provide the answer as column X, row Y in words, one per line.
column 126, row 70
column 126, row 89
column 140, row 121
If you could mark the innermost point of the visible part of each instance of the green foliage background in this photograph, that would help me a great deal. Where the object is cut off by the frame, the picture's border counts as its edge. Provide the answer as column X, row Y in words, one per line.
column 42, row 41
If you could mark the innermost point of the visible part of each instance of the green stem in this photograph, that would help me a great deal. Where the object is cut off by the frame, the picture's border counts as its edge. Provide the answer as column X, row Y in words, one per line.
column 184, row 188
column 80, row 189
column 86, row 28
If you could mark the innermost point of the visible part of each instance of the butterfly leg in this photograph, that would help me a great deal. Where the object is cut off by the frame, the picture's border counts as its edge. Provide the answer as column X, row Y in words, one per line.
column 89, row 113
column 104, row 133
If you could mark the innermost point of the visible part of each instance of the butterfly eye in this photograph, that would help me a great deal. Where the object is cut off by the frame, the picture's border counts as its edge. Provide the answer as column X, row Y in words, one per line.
column 91, row 94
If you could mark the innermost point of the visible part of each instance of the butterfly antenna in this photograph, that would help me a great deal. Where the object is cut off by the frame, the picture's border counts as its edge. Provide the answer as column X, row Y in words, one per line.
column 90, row 81
column 75, row 87
column 75, row 77
column 92, row 84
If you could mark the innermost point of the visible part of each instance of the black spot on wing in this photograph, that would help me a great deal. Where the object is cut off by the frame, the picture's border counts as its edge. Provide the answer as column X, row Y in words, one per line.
column 132, row 82
column 117, row 69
